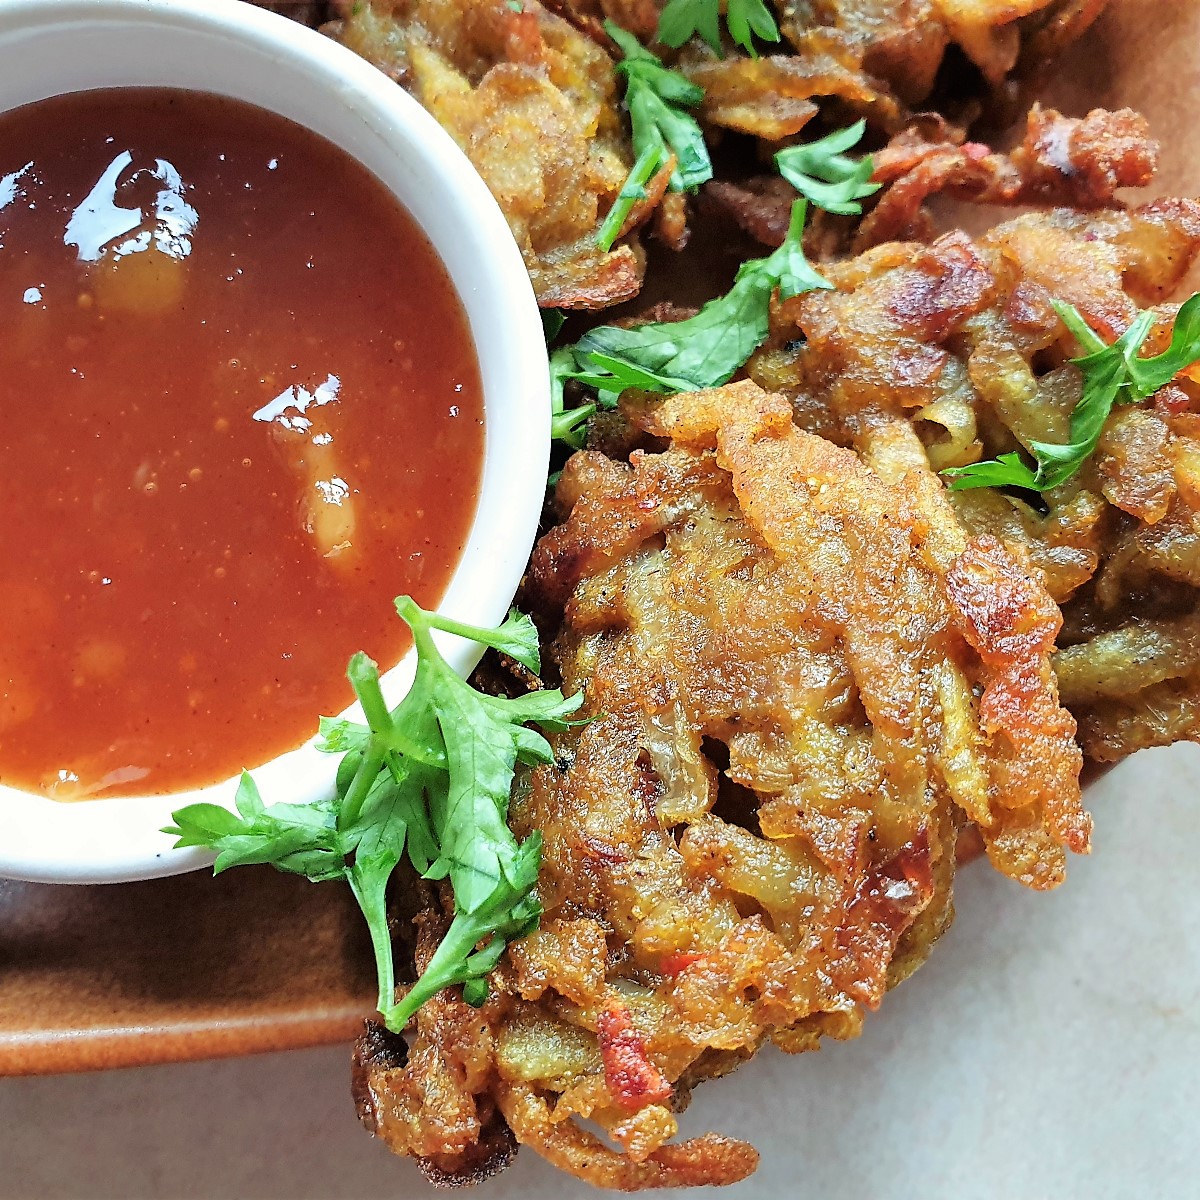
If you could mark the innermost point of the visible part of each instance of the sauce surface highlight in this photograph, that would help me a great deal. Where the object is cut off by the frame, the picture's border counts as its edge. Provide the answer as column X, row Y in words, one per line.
column 239, row 412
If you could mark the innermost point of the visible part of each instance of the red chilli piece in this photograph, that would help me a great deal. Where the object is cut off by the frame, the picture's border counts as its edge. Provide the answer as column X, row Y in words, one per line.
column 678, row 961
column 632, row 1079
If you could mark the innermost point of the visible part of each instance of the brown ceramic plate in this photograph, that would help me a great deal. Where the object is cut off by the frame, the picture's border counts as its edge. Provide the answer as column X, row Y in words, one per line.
column 191, row 967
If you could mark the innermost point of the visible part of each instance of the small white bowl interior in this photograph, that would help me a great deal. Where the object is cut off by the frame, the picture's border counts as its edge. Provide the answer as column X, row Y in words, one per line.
column 49, row 47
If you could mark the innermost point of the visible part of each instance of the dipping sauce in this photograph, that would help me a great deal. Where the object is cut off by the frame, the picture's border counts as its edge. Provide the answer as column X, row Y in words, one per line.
column 239, row 412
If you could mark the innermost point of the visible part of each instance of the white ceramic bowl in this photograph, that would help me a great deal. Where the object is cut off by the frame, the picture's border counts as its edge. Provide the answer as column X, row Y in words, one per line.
column 48, row 47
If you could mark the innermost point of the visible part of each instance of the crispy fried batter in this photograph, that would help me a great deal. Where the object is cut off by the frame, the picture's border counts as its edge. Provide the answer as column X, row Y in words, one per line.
column 533, row 103
column 1080, row 162
column 807, row 666
column 894, row 50
column 803, row 676
column 773, row 97
column 960, row 338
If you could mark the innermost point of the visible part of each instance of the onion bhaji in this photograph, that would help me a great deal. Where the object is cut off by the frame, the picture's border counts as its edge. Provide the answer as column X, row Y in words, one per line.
column 959, row 338
column 807, row 666
column 528, row 91
column 533, row 103
column 1077, row 161
column 804, row 674
column 879, row 59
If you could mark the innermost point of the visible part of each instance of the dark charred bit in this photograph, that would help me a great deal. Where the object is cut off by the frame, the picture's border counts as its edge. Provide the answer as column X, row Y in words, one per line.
column 376, row 1049
column 496, row 1148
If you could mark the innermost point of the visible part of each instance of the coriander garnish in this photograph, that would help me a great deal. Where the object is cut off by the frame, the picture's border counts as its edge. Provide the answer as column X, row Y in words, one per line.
column 1111, row 375
column 745, row 19
column 429, row 779
column 632, row 190
column 823, row 173
column 657, row 99
column 682, row 356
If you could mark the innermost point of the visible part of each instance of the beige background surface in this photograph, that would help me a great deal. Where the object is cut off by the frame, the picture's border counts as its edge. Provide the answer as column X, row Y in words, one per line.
column 1051, row 1048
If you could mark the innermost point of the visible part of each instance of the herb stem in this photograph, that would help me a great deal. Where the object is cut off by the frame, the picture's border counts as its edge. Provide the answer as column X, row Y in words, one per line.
column 632, row 190
column 364, row 780
column 363, row 674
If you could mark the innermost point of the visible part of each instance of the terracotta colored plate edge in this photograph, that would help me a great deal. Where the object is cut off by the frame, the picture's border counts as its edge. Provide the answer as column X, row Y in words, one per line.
column 58, row 1051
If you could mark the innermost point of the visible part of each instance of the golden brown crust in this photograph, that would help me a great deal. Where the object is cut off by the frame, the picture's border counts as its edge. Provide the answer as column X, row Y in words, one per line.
column 1081, row 162
column 532, row 101
column 959, row 340
column 898, row 48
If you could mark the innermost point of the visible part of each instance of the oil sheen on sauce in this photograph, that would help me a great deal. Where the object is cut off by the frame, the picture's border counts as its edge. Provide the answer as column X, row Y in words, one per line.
column 239, row 413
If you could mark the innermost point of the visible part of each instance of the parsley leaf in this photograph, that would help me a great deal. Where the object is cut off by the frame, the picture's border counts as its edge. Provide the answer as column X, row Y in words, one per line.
column 567, row 425
column 822, row 172
column 553, row 319
column 657, row 98
column 430, row 779
column 681, row 19
column 1111, row 375
column 748, row 19
column 701, row 352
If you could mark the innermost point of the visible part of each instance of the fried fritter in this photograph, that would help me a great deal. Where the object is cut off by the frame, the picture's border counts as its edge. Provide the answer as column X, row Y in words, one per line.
column 529, row 93
column 803, row 675
column 959, row 338
column 533, row 103
column 1077, row 161
column 879, row 59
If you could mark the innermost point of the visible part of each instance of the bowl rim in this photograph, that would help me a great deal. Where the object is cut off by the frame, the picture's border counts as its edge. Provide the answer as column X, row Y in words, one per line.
column 120, row 839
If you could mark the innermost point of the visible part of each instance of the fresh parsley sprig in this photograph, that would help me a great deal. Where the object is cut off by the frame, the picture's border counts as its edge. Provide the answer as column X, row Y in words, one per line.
column 430, row 778
column 657, row 99
column 1111, row 375
column 745, row 19
column 682, row 356
column 823, row 173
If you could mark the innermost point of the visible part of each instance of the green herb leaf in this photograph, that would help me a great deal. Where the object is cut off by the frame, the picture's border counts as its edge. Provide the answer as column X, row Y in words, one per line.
column 657, row 98
column 683, row 19
column 705, row 350
column 299, row 839
column 1111, row 375
column 823, row 173
column 510, row 911
column 567, row 425
column 682, row 356
column 482, row 737
column 430, row 780
column 517, row 636
column 553, row 320
column 748, row 19
column 1147, row 375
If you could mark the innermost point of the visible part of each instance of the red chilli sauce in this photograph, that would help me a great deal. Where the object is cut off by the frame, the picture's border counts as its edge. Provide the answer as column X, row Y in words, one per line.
column 240, row 411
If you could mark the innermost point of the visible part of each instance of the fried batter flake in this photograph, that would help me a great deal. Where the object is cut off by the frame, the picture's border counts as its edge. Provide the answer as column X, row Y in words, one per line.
column 880, row 59
column 533, row 103
column 1076, row 161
